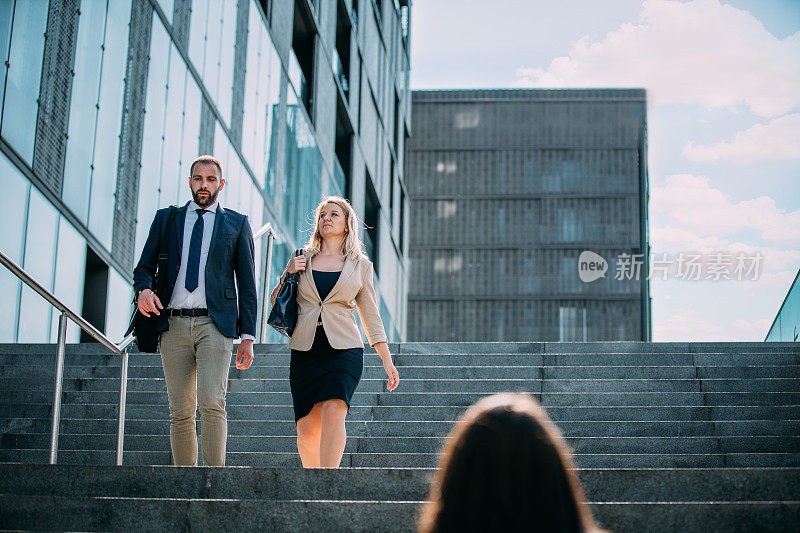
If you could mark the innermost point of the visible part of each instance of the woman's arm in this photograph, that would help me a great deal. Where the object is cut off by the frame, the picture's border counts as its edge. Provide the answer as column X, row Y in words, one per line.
column 367, row 304
column 274, row 295
column 394, row 376
column 295, row 264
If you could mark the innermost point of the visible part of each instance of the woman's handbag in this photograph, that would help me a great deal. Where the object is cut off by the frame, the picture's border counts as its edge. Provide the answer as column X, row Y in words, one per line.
column 145, row 328
column 283, row 316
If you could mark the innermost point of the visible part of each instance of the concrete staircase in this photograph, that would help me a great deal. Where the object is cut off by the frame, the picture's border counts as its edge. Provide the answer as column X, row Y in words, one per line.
column 667, row 437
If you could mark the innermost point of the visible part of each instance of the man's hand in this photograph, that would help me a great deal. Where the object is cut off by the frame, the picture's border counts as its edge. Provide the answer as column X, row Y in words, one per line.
column 148, row 302
column 244, row 354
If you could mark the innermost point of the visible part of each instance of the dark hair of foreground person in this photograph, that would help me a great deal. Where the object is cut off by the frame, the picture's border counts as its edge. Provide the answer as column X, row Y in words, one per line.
column 506, row 468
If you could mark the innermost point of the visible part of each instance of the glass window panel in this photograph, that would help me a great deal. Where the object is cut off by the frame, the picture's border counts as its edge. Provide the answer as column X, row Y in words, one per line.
column 152, row 135
column 210, row 70
column 236, row 182
column 6, row 12
column 226, row 60
column 109, row 122
column 167, row 6
column 15, row 192
column 252, row 91
column 40, row 246
column 173, row 129
column 119, row 306
column 70, row 271
column 262, row 80
column 34, row 317
column 255, row 212
column 83, row 109
column 303, row 171
column 9, row 292
column 191, row 133
column 223, row 152
column 40, row 239
column 197, row 39
column 24, row 74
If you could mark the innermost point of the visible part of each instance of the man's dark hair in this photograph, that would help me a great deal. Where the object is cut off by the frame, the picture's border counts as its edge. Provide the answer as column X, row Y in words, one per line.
column 206, row 159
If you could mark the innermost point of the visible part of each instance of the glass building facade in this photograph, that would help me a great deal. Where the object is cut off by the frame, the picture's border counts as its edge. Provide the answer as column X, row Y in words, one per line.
column 786, row 326
column 508, row 187
column 105, row 103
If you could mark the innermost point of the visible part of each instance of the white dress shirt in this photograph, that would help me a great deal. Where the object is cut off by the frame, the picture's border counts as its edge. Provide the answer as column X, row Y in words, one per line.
column 181, row 298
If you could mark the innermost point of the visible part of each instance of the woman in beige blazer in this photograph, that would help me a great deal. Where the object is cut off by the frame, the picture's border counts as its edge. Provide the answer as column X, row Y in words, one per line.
column 327, row 350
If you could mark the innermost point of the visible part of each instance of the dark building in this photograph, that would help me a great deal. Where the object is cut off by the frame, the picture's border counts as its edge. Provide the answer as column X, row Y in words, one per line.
column 105, row 103
column 508, row 188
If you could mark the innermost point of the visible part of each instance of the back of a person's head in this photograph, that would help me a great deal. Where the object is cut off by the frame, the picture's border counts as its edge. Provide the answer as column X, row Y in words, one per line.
column 505, row 468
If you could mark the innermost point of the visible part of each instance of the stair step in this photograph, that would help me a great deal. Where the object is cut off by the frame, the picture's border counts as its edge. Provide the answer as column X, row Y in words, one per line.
column 601, row 485
column 423, row 428
column 121, row 498
column 431, row 413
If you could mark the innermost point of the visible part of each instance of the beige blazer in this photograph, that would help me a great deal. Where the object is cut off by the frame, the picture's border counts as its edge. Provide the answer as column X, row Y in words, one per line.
column 354, row 290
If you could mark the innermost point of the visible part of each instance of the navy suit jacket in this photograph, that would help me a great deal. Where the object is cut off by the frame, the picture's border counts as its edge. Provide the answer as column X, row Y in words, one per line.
column 230, row 257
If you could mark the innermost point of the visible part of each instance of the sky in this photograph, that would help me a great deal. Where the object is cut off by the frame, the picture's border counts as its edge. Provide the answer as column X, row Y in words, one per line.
column 723, row 90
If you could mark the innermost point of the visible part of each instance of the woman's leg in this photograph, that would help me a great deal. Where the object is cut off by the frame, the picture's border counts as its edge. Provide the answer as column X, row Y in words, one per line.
column 309, row 431
column 334, row 435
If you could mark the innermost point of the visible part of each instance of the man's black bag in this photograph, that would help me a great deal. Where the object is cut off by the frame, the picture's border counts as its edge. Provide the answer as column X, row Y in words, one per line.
column 283, row 316
column 145, row 328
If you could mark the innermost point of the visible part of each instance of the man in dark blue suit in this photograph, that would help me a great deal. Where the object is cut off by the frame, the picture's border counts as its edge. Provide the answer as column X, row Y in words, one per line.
column 209, row 252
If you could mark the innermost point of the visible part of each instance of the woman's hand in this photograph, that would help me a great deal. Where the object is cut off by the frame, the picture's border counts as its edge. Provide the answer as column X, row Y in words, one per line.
column 296, row 264
column 393, row 374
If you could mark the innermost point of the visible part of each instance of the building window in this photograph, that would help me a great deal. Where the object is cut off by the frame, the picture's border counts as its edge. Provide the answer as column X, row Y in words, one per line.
column 404, row 15
column 343, row 147
column 341, row 53
column 95, row 110
column 402, row 219
column 301, row 67
column 266, row 7
column 569, row 227
column 391, row 190
column 12, row 243
column 26, row 51
column 396, row 123
column 572, row 324
column 371, row 219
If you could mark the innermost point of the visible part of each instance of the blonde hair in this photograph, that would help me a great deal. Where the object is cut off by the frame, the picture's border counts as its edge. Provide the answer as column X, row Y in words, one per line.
column 351, row 245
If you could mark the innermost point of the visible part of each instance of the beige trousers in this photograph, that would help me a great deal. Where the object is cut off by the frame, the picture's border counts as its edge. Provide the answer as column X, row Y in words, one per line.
column 196, row 358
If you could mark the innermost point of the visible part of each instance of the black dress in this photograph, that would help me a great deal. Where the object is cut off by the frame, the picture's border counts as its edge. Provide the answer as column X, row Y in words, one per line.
column 323, row 372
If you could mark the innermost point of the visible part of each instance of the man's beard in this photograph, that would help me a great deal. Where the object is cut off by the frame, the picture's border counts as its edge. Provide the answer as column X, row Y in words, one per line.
column 210, row 199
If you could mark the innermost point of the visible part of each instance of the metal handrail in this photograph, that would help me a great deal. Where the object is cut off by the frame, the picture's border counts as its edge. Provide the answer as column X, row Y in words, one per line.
column 266, row 229
column 66, row 312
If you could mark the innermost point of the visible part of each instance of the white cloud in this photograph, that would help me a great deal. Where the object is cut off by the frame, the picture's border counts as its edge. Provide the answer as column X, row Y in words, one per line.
column 689, row 203
column 777, row 140
column 690, row 325
column 672, row 241
column 695, row 52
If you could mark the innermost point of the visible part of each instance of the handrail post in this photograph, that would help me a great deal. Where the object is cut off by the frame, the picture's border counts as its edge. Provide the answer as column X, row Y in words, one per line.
column 123, row 393
column 62, row 345
column 265, row 307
